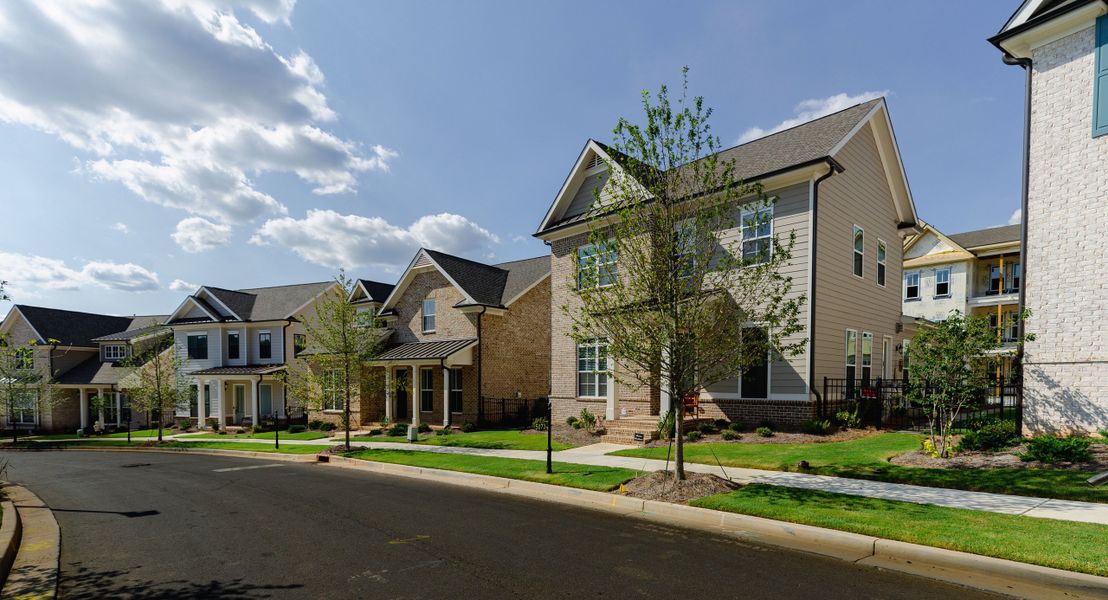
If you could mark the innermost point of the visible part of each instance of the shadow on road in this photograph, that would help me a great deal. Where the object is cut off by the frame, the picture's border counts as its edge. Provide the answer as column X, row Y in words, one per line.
column 80, row 583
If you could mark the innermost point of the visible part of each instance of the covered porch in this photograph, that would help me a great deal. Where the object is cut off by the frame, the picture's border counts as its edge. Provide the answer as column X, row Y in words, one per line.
column 237, row 396
column 430, row 382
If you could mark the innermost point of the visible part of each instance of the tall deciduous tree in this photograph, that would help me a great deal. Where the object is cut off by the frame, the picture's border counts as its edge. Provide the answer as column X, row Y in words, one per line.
column 340, row 342
column 24, row 389
column 950, row 364
column 681, row 283
column 155, row 380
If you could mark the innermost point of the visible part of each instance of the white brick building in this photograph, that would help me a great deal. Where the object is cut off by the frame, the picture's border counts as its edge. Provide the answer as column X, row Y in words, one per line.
column 1065, row 210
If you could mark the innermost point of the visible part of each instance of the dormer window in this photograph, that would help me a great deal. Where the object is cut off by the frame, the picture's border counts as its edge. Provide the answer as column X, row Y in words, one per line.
column 115, row 352
column 428, row 316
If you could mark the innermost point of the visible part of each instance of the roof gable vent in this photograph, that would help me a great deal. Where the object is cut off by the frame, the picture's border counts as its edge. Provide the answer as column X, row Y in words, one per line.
column 594, row 162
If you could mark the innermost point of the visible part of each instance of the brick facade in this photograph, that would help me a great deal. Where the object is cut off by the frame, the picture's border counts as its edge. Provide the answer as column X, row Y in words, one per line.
column 1066, row 366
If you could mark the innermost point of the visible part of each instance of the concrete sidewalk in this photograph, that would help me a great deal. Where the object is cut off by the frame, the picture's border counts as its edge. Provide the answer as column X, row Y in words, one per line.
column 598, row 455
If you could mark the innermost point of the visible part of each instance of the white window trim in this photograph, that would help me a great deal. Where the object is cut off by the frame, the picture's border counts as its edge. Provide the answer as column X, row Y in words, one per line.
column 919, row 286
column 114, row 352
column 332, row 391
column 423, row 315
column 595, row 266
column 855, row 229
column 239, row 333
column 461, row 390
column 262, row 332
column 849, row 355
column 862, row 354
column 430, row 388
column 769, row 236
column 948, row 272
column 887, row 350
column 207, row 351
column 881, row 262
column 596, row 344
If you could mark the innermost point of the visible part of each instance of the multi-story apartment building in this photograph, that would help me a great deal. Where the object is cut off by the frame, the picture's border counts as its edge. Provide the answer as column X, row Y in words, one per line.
column 841, row 189
column 974, row 273
column 1063, row 48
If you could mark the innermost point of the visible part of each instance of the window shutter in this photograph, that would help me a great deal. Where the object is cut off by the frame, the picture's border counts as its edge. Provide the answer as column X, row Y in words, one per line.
column 1100, row 79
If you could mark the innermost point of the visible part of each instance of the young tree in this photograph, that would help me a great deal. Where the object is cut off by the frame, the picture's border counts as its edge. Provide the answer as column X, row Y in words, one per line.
column 680, row 299
column 340, row 342
column 155, row 381
column 3, row 293
column 23, row 388
column 949, row 371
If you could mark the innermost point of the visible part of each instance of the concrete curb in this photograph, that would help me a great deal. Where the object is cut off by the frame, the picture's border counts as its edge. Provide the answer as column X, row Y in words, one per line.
column 1020, row 580
column 10, row 532
column 34, row 572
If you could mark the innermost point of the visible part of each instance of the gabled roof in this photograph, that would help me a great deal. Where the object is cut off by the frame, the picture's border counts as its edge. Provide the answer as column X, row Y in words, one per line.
column 1005, row 234
column 482, row 284
column 804, row 145
column 93, row 371
column 1036, row 21
column 70, row 328
column 273, row 303
column 373, row 291
column 140, row 327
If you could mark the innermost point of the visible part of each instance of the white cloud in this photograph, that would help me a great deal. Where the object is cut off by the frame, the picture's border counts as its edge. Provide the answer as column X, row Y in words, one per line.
column 1016, row 217
column 328, row 238
column 121, row 228
column 179, row 101
column 812, row 108
column 180, row 285
column 196, row 234
column 28, row 274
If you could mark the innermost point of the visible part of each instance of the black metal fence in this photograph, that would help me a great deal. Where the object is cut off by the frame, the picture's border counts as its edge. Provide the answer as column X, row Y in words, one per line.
column 510, row 412
column 894, row 404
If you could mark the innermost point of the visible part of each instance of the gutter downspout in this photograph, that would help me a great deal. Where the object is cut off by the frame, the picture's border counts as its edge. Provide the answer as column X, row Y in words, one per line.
column 1026, row 64
column 480, row 364
column 834, row 167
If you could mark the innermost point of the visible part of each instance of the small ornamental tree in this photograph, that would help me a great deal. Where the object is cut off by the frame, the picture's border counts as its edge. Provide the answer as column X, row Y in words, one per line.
column 4, row 294
column 340, row 341
column 24, row 390
column 949, row 371
column 681, row 285
column 156, row 382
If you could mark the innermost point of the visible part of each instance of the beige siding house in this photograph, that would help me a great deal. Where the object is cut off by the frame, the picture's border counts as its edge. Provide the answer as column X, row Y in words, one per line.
column 841, row 189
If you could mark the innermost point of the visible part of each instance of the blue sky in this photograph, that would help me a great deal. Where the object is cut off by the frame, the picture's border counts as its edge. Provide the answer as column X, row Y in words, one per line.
column 150, row 147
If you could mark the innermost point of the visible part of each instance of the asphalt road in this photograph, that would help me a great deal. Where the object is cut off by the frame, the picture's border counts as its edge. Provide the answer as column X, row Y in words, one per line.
column 143, row 526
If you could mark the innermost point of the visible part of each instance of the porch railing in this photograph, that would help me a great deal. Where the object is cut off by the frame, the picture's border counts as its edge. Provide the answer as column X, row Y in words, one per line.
column 510, row 412
column 894, row 404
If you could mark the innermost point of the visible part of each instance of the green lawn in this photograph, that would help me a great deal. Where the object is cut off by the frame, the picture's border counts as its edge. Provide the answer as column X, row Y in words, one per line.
column 240, row 446
column 867, row 458
column 303, row 435
column 506, row 439
column 568, row 474
column 1061, row 544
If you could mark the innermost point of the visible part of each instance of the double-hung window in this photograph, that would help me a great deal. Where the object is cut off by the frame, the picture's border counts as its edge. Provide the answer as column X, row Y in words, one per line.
column 911, row 285
column 115, row 352
column 596, row 265
column 332, row 392
column 198, row 346
column 24, row 359
column 426, row 389
column 265, row 345
column 942, row 282
column 867, row 355
column 851, row 355
column 233, row 345
column 26, row 409
column 757, row 235
column 592, row 369
column 859, row 250
column 456, row 390
column 428, row 315
column 881, row 252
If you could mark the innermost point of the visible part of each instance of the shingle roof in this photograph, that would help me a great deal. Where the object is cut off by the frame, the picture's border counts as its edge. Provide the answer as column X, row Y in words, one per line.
column 93, row 371
column 140, row 326
column 522, row 274
column 263, row 304
column 72, row 328
column 377, row 291
column 435, row 350
column 987, row 237
column 492, row 285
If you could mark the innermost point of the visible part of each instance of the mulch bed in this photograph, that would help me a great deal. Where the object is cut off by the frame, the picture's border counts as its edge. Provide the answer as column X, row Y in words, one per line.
column 750, row 437
column 567, row 435
column 661, row 485
column 1005, row 459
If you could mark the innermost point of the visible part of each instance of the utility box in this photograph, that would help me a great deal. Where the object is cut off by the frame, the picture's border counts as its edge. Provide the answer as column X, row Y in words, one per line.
column 413, row 433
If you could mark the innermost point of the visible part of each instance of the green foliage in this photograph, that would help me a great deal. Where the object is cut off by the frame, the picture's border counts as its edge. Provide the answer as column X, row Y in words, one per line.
column 996, row 435
column 468, row 427
column 377, row 431
column 720, row 423
column 327, row 426
column 423, row 428
column 587, row 420
column 736, row 426
column 397, row 430
column 213, row 423
column 816, row 427
column 259, row 428
column 1104, row 433
column 848, row 419
column 706, row 428
column 444, row 431
column 764, row 432
column 315, row 424
column 297, row 428
column 694, row 436
column 1050, row 449
column 540, row 423
column 665, row 426
column 729, row 434
column 570, row 420
column 183, row 423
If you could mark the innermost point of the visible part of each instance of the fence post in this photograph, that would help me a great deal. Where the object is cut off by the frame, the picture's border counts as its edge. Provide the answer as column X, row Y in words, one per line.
column 823, row 401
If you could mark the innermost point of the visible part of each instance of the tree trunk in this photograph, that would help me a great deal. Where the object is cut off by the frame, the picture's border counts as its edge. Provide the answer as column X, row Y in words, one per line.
column 679, row 441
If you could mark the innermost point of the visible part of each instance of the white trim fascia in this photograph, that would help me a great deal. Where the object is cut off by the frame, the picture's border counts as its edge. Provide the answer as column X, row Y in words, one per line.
column 560, row 198
column 7, row 320
column 857, row 127
column 221, row 303
column 1022, row 14
column 357, row 285
column 192, row 299
column 527, row 289
column 313, row 299
column 1023, row 44
column 474, row 309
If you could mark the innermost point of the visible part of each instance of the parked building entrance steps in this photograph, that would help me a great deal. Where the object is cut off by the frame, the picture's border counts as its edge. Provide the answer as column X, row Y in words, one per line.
column 637, row 430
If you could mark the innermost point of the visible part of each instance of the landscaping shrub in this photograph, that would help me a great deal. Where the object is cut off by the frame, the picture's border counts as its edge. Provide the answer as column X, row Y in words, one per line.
column 184, row 423
column 721, row 424
column 376, row 431
column 764, row 432
column 327, row 426
column 736, row 426
column 540, row 424
column 468, row 427
column 816, row 427
column 994, row 435
column 665, row 426
column 705, row 428
column 587, row 420
column 213, row 422
column 848, row 419
column 423, row 428
column 768, row 424
column 694, row 436
column 729, row 435
column 1050, row 449
column 296, row 428
column 398, row 430
column 315, row 424
column 444, row 431
column 259, row 428
column 570, row 420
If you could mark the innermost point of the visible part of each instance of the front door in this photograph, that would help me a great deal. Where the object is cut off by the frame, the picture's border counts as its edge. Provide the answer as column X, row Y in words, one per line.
column 401, row 395
column 240, row 402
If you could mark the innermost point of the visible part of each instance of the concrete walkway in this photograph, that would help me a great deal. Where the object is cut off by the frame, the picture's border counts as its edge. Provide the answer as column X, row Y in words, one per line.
column 599, row 455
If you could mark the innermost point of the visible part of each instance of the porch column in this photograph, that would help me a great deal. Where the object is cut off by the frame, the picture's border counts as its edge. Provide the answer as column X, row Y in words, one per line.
column 118, row 410
column 201, row 414
column 388, row 393
column 84, row 408
column 255, row 402
column 445, row 397
column 102, row 394
column 415, row 396
column 611, row 407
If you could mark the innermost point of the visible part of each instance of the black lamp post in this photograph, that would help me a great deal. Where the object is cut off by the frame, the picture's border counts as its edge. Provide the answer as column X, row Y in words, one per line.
column 549, row 435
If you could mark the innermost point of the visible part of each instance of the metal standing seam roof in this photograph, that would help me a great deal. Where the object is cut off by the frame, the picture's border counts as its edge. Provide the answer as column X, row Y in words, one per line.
column 438, row 349
column 244, row 370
